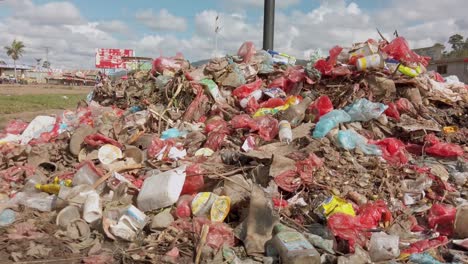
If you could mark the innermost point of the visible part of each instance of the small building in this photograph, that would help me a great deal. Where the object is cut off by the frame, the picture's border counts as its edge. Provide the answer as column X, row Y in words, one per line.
column 8, row 70
column 446, row 66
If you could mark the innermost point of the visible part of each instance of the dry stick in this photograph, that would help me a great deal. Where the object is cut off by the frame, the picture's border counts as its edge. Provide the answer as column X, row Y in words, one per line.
column 203, row 235
column 109, row 174
column 229, row 179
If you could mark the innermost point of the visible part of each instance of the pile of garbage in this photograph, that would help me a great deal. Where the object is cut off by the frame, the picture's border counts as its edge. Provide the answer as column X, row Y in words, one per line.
column 358, row 157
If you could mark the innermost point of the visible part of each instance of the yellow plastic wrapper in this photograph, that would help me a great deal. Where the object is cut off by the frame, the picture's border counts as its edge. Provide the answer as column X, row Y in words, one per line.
column 450, row 129
column 272, row 111
column 202, row 202
column 335, row 204
column 220, row 208
column 409, row 71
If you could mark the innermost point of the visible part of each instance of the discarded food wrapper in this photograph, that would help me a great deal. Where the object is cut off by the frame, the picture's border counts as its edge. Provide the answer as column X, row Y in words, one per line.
column 334, row 205
column 109, row 153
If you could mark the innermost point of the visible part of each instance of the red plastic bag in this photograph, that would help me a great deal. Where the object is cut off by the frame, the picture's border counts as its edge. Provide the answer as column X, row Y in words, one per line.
column 267, row 127
column 290, row 180
column 306, row 168
column 334, row 52
column 15, row 126
column 219, row 234
column 321, row 106
column 246, row 89
column 437, row 148
column 194, row 180
column 244, row 121
column 405, row 106
column 272, row 103
column 246, row 51
column 158, row 145
column 183, row 209
column 354, row 229
column 193, row 112
column 216, row 123
column 393, row 150
column 326, row 66
column 392, row 111
column 437, row 77
column 424, row 245
column 279, row 202
column 97, row 140
column 215, row 140
column 444, row 217
column 252, row 105
column 17, row 173
column 167, row 63
column 400, row 50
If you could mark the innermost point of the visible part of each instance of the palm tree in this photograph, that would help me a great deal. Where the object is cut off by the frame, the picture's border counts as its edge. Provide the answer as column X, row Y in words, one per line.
column 15, row 51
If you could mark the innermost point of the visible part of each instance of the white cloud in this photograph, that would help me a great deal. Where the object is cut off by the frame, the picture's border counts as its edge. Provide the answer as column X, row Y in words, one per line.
column 333, row 22
column 113, row 26
column 163, row 20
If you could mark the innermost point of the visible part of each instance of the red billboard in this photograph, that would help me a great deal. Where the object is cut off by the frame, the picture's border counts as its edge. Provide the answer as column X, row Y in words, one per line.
column 112, row 58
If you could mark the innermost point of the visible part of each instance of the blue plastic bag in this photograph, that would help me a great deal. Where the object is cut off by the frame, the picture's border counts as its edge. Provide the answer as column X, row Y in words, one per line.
column 349, row 139
column 173, row 133
column 329, row 121
column 364, row 110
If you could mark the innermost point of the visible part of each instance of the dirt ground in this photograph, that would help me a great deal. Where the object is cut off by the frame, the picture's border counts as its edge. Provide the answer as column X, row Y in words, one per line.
column 25, row 90
column 42, row 89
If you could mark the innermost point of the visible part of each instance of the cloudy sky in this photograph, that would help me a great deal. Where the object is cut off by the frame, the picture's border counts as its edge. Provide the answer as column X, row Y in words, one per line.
column 73, row 29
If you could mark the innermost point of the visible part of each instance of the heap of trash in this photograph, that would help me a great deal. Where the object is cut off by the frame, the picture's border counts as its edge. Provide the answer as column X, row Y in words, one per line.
column 359, row 156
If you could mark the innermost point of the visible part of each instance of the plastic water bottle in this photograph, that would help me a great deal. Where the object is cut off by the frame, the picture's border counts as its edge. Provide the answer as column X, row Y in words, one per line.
column 255, row 94
column 285, row 132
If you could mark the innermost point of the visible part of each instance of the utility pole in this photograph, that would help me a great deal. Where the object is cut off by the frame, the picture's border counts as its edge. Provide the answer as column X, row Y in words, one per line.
column 217, row 28
column 268, row 24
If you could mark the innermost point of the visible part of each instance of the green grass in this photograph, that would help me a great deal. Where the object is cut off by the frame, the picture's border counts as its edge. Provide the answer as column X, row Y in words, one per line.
column 27, row 103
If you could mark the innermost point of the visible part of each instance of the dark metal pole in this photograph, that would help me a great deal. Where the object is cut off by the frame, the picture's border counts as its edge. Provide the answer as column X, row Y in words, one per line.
column 268, row 24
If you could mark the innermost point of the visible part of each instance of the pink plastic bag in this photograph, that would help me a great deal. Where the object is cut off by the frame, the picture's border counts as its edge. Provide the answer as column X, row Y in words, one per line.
column 405, row 106
column 444, row 217
column 321, row 106
column 424, row 245
column 400, row 50
column 393, row 150
column 216, row 123
column 244, row 121
column 392, row 111
column 246, row 51
column 267, row 127
column 194, row 180
column 16, row 126
column 246, row 89
column 97, row 140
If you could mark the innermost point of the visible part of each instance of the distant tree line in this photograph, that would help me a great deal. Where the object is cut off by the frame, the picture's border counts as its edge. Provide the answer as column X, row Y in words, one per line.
column 459, row 46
